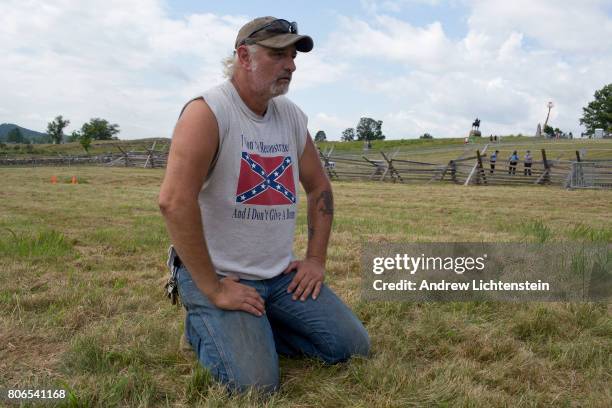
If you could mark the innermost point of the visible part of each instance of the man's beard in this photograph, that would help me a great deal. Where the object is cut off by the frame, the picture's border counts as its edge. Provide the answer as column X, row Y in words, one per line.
column 270, row 89
column 277, row 88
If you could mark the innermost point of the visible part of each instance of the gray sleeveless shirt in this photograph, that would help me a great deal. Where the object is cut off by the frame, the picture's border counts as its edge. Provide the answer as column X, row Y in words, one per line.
column 249, row 200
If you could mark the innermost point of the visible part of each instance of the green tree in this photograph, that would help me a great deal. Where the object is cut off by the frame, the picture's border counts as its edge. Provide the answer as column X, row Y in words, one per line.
column 99, row 129
column 15, row 136
column 85, row 141
column 369, row 129
column 426, row 136
column 549, row 131
column 348, row 135
column 74, row 137
column 55, row 129
column 320, row 136
column 598, row 113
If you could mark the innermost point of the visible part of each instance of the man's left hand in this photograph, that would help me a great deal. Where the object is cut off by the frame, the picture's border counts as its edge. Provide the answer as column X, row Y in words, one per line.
column 308, row 279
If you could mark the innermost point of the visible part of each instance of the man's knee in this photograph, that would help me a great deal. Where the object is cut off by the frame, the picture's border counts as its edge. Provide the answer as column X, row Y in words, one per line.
column 347, row 344
column 240, row 361
column 263, row 379
column 241, row 376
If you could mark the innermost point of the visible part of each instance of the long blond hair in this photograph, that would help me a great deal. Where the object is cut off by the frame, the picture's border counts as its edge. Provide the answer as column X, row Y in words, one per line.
column 229, row 63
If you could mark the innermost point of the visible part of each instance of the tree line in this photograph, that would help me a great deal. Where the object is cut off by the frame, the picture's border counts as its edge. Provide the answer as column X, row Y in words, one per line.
column 367, row 129
column 95, row 129
column 596, row 115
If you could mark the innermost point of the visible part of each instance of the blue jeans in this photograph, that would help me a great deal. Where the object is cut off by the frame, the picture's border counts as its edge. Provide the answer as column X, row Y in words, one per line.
column 241, row 350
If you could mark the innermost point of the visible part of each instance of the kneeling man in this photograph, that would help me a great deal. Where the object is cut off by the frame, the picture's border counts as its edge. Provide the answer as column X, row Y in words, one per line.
column 230, row 197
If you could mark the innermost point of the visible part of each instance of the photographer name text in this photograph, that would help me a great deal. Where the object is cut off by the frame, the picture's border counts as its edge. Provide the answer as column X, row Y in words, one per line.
column 474, row 285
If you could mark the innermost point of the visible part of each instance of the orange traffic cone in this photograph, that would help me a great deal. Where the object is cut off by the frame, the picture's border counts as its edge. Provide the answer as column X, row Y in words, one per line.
column 53, row 179
column 74, row 180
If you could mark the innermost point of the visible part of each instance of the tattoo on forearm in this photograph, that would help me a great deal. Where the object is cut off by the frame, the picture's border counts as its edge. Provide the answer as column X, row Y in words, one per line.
column 310, row 227
column 325, row 203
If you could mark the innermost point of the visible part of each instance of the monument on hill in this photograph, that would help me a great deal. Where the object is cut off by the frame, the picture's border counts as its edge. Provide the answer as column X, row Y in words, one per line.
column 475, row 131
column 549, row 105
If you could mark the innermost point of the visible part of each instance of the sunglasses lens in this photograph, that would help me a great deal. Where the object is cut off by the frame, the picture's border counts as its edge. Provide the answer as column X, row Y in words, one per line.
column 277, row 26
column 282, row 27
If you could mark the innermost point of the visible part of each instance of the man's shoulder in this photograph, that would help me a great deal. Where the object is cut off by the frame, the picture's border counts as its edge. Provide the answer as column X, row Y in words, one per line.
column 219, row 89
column 204, row 97
column 286, row 105
column 215, row 98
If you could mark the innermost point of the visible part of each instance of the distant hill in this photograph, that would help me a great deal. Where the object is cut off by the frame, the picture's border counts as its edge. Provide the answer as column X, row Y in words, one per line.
column 31, row 135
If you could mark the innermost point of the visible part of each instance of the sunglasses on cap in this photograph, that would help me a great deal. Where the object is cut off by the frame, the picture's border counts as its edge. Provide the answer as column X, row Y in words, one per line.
column 278, row 26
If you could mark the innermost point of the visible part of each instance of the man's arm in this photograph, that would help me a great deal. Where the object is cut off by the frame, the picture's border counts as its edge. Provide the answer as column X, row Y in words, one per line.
column 310, row 275
column 194, row 143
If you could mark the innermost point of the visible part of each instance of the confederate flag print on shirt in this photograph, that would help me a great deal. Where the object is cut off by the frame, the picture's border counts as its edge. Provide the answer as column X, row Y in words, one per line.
column 265, row 180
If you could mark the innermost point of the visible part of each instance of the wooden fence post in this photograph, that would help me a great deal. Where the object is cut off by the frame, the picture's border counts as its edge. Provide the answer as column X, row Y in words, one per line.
column 394, row 173
column 331, row 172
column 469, row 178
column 579, row 173
column 481, row 173
column 545, row 177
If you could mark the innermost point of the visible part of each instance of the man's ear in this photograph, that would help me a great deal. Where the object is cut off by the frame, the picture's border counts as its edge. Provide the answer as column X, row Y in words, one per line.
column 244, row 56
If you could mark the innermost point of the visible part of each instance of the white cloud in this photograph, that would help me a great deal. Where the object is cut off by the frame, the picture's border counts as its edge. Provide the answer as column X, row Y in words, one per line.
column 378, row 6
column 331, row 124
column 133, row 64
column 125, row 61
column 511, row 49
column 316, row 69
column 563, row 25
column 128, row 62
column 393, row 39
column 514, row 58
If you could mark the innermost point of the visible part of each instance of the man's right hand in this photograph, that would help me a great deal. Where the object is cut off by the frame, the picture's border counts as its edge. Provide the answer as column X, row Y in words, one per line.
column 232, row 295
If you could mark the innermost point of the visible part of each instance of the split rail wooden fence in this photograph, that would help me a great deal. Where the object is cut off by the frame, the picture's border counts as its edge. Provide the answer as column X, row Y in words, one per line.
column 470, row 168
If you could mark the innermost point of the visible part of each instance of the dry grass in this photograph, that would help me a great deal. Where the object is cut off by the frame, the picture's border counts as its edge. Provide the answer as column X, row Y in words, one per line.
column 81, row 305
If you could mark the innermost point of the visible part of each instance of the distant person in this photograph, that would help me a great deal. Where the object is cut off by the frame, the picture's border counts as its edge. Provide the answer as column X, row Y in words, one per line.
column 493, row 160
column 528, row 161
column 513, row 160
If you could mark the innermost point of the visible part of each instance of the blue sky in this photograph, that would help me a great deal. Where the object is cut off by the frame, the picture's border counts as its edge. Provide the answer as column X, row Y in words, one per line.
column 417, row 65
column 318, row 17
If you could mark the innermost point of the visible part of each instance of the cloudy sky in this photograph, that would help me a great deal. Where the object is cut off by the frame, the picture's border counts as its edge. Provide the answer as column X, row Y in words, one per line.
column 417, row 65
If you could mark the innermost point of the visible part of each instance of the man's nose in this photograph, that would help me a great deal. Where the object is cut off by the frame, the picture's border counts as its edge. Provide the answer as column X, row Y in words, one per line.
column 290, row 64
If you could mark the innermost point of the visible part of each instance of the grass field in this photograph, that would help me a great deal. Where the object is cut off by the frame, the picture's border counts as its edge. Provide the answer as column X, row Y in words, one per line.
column 81, row 303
